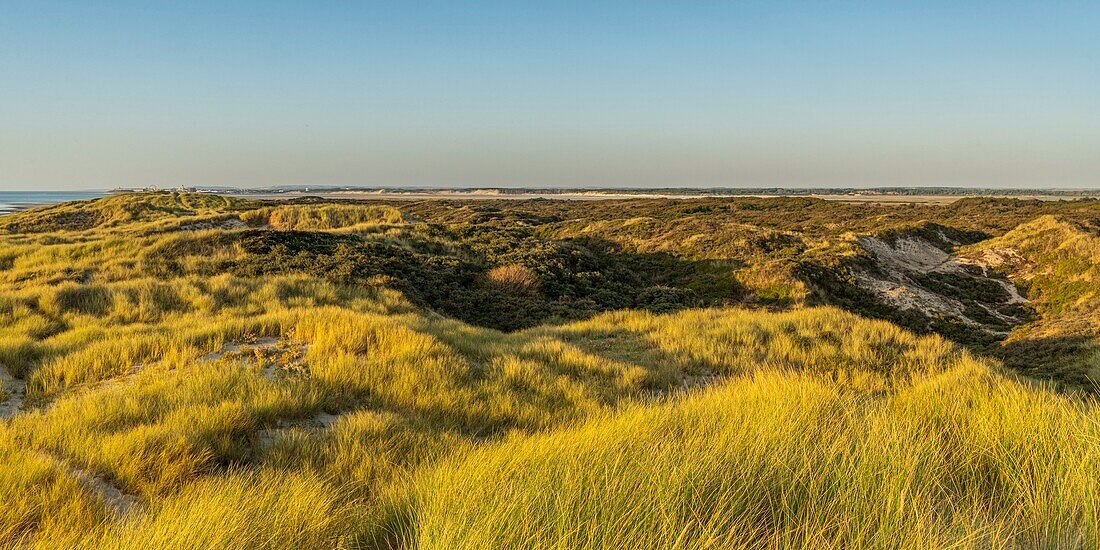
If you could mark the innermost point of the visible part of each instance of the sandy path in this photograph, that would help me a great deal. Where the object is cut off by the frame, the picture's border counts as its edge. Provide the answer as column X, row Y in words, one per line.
column 117, row 501
column 13, row 389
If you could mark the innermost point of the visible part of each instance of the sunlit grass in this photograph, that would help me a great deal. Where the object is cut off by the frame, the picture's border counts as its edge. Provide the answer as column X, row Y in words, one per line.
column 965, row 458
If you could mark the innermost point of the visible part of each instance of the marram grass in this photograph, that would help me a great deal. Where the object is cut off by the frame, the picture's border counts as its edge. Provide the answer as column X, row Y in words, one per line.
column 853, row 434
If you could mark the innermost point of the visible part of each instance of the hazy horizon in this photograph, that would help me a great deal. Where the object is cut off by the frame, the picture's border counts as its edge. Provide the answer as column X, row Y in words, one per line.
column 601, row 94
column 428, row 187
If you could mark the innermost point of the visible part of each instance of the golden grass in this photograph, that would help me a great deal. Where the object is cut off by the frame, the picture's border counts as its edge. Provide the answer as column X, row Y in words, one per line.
column 962, row 459
column 323, row 217
column 826, row 418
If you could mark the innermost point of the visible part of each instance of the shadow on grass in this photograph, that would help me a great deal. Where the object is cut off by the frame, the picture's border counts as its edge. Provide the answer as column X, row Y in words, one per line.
column 1073, row 359
column 576, row 279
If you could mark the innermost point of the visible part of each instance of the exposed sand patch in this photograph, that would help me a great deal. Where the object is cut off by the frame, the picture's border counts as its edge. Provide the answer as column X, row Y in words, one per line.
column 12, row 391
column 235, row 347
column 226, row 224
column 904, row 294
column 319, row 421
column 908, row 253
column 997, row 257
column 275, row 356
column 113, row 498
column 900, row 261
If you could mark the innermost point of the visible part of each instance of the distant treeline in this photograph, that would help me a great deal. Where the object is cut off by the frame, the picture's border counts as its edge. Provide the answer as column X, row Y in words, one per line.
column 693, row 191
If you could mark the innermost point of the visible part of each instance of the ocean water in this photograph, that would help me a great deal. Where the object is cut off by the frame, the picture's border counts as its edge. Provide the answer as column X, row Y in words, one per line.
column 16, row 200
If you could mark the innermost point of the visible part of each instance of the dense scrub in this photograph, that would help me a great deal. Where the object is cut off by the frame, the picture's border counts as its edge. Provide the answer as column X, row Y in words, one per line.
column 210, row 372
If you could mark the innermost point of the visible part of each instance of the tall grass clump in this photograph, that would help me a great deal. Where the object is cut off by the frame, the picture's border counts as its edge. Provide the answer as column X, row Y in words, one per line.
column 323, row 217
column 243, row 511
column 38, row 495
column 965, row 458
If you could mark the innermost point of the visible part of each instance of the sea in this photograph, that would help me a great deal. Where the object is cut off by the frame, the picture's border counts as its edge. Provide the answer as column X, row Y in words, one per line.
column 11, row 201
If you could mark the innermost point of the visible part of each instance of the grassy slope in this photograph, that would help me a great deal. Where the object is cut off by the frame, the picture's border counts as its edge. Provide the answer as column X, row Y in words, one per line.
column 960, row 459
column 702, row 428
column 1056, row 262
column 826, row 417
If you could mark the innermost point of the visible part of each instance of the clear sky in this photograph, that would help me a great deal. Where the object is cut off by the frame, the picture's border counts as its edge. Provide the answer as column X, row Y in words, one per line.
column 255, row 93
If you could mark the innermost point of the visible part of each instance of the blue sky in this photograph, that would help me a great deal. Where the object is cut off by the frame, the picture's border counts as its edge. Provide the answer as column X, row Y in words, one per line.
column 250, row 93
